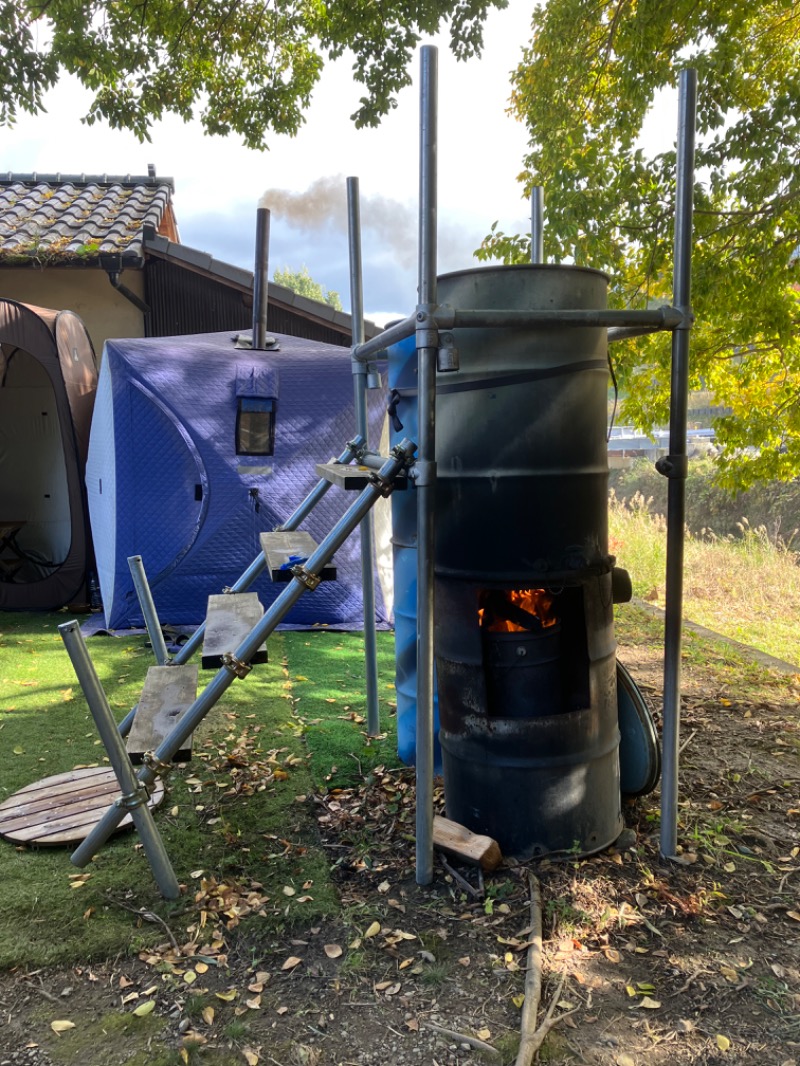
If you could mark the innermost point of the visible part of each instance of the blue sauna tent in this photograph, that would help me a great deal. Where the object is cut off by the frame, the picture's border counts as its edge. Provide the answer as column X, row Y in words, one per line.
column 197, row 446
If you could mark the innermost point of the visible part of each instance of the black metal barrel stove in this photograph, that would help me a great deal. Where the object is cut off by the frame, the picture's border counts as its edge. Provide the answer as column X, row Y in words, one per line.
column 524, row 637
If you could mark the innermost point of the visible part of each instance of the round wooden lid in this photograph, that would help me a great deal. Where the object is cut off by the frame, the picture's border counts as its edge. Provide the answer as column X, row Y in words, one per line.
column 65, row 808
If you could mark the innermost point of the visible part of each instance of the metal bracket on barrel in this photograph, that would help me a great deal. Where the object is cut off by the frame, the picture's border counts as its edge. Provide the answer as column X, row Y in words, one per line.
column 423, row 473
column 673, row 466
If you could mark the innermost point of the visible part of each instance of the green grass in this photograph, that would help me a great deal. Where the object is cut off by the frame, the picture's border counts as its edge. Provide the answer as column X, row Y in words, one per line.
column 327, row 674
column 46, row 728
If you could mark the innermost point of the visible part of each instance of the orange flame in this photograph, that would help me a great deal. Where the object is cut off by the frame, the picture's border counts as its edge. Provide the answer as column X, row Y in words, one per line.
column 537, row 602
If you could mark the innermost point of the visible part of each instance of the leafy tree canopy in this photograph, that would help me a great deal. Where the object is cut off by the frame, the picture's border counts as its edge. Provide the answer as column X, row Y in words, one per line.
column 301, row 282
column 244, row 66
column 584, row 88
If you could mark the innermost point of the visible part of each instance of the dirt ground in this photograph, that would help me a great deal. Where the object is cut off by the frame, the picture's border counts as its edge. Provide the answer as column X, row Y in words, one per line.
column 690, row 962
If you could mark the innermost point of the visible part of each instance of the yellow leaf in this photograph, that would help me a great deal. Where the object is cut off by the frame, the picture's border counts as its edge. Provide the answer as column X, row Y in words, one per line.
column 190, row 977
column 373, row 930
column 227, row 997
column 518, row 1000
column 254, row 1003
column 648, row 1003
column 291, row 962
column 62, row 1027
column 145, row 1008
column 201, row 967
column 250, row 1056
column 208, row 1015
column 483, row 1034
column 288, row 890
column 722, row 1042
column 333, row 951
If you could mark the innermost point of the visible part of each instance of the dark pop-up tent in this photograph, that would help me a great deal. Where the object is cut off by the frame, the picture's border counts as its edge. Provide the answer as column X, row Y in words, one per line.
column 48, row 379
column 197, row 446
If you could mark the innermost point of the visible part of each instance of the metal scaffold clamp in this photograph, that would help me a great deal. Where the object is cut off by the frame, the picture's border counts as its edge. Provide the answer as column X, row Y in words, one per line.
column 131, row 801
column 306, row 577
column 358, row 446
column 386, row 487
column 237, row 667
column 156, row 765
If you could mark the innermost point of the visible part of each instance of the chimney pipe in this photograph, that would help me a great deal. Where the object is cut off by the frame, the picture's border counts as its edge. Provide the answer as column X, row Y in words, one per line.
column 260, row 282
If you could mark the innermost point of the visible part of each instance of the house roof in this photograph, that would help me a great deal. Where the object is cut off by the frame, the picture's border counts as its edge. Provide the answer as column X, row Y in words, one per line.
column 238, row 278
column 73, row 219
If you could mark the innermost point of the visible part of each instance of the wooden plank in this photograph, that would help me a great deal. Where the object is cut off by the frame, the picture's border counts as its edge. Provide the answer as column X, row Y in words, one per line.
column 168, row 693
column 345, row 476
column 456, row 840
column 64, row 808
column 282, row 545
column 353, row 478
column 229, row 619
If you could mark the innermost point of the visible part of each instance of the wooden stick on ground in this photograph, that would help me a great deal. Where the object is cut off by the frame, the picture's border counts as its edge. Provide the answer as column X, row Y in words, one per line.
column 532, row 1037
column 463, row 1038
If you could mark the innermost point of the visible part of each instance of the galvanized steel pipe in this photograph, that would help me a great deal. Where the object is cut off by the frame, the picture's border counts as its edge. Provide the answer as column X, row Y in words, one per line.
column 362, row 428
column 537, row 224
column 145, row 598
column 427, row 347
column 118, row 757
column 674, row 465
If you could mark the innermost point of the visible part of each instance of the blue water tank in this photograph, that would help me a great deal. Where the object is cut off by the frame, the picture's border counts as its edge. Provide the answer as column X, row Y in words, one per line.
column 403, row 392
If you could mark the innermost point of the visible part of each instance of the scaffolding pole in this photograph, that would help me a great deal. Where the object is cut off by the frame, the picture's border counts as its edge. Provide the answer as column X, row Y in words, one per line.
column 366, row 531
column 674, row 466
column 425, row 467
column 537, row 225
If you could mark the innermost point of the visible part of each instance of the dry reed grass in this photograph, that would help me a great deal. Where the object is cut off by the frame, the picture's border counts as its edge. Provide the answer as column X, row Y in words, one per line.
column 745, row 587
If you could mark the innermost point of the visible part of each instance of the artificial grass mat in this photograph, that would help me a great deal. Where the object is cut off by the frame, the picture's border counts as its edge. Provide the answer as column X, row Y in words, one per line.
column 242, row 809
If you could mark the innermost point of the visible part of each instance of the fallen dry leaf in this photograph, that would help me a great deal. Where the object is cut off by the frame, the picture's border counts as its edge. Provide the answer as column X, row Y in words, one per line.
column 208, row 1015
column 145, row 1008
column 62, row 1026
column 373, row 930
column 333, row 951
column 291, row 962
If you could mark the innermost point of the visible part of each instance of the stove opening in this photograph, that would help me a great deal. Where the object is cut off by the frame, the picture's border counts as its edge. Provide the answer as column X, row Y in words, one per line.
column 534, row 646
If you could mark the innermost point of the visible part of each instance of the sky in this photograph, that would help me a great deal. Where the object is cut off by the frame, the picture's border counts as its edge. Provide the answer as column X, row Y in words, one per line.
column 218, row 182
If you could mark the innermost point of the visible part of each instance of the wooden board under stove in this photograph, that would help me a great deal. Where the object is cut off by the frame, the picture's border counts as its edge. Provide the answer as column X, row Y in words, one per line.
column 64, row 809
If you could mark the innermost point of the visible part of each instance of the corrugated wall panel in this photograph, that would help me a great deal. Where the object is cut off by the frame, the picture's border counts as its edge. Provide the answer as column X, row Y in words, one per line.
column 183, row 302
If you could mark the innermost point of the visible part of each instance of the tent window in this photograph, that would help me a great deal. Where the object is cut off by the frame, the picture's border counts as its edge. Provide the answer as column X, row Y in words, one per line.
column 255, row 426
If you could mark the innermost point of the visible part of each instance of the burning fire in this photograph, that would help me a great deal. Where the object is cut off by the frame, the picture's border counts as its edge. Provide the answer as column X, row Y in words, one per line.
column 493, row 612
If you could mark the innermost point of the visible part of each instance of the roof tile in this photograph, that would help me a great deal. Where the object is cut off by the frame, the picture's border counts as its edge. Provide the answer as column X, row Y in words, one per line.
column 76, row 220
